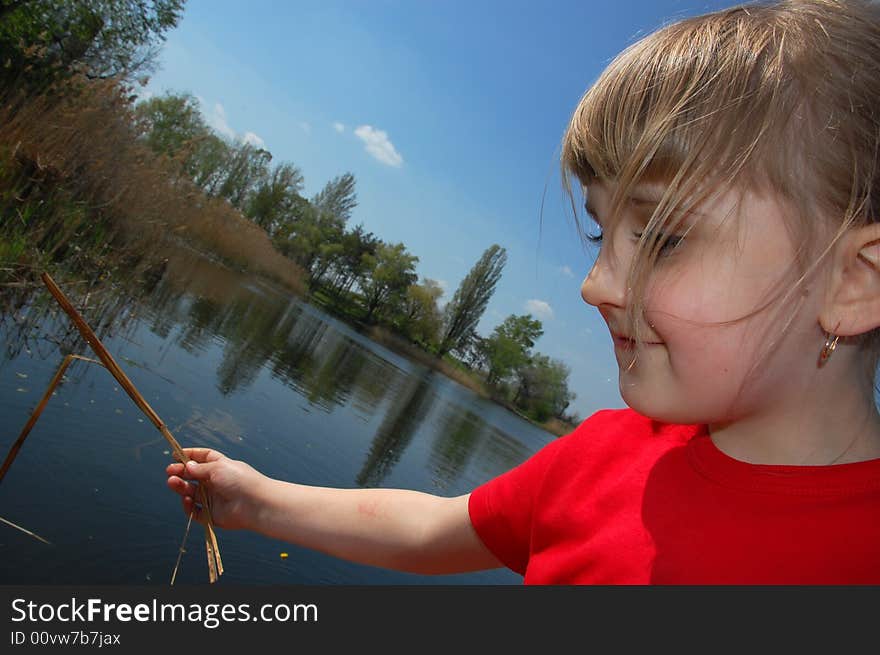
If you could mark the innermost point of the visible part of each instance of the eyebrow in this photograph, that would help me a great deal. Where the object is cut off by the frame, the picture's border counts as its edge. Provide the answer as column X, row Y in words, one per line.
column 639, row 200
column 644, row 201
column 591, row 210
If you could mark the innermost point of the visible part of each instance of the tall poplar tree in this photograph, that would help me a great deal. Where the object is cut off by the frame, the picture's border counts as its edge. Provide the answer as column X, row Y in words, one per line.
column 470, row 300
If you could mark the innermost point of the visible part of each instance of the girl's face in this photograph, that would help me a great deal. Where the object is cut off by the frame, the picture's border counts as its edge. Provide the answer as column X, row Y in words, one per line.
column 717, row 346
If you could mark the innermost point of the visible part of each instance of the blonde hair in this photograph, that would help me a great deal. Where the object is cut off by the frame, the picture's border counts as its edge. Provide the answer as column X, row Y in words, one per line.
column 781, row 97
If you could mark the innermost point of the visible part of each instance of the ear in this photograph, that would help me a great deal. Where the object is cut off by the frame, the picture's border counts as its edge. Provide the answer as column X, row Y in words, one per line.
column 852, row 305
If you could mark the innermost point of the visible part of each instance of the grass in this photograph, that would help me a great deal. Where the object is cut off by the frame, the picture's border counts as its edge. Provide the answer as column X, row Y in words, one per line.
column 77, row 186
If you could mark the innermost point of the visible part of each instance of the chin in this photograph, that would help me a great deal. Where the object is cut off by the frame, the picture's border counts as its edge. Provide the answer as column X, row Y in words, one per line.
column 660, row 409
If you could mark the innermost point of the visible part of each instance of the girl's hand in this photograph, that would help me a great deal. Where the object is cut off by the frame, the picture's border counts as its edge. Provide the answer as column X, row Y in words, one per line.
column 232, row 487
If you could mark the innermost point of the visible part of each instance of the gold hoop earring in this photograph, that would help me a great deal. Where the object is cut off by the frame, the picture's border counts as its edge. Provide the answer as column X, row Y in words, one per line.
column 828, row 348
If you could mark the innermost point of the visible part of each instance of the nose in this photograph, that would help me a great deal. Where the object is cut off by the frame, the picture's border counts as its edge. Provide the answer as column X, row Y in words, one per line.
column 604, row 285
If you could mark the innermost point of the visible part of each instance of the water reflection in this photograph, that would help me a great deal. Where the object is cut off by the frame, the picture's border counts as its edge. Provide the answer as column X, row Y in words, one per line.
column 404, row 417
column 232, row 362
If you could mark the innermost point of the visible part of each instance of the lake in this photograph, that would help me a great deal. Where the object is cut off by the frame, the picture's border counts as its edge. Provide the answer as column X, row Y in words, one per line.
column 233, row 362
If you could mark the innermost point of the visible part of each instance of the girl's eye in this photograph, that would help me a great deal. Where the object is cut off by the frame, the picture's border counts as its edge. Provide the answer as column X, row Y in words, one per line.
column 667, row 243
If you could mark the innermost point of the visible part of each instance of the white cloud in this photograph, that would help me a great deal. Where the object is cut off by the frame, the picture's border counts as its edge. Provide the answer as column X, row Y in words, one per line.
column 217, row 119
column 566, row 271
column 379, row 145
column 253, row 139
column 539, row 308
column 339, row 127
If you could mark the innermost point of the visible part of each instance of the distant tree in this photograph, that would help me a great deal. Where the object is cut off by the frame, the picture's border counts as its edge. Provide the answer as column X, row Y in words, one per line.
column 303, row 232
column 330, row 253
column 524, row 330
column 245, row 169
column 170, row 124
column 464, row 311
column 420, row 316
column 42, row 40
column 208, row 162
column 351, row 265
column 275, row 197
column 338, row 197
column 543, row 388
column 390, row 272
column 508, row 348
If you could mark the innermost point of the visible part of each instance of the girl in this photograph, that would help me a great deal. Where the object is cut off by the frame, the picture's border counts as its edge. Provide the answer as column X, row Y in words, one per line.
column 730, row 163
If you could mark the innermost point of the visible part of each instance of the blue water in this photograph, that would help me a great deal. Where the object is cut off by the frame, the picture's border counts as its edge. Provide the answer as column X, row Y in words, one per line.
column 234, row 363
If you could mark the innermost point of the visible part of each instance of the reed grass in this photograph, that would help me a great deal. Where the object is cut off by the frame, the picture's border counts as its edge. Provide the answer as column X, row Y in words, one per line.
column 78, row 186
column 38, row 410
column 182, row 549
column 215, row 563
column 25, row 530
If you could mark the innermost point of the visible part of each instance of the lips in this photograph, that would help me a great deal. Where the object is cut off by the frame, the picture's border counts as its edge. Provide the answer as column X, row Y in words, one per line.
column 628, row 343
column 623, row 343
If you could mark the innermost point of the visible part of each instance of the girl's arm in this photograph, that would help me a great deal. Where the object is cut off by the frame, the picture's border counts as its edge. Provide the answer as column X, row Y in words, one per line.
column 391, row 528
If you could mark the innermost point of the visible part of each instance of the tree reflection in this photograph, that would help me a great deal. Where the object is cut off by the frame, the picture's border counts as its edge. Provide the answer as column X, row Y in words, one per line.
column 404, row 417
column 455, row 442
column 199, row 305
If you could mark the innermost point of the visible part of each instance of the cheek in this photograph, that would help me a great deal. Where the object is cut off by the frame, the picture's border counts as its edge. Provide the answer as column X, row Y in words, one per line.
column 704, row 329
column 675, row 302
column 708, row 291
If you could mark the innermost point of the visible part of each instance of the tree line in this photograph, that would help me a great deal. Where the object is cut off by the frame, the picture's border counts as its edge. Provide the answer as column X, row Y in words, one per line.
column 349, row 266
column 47, row 43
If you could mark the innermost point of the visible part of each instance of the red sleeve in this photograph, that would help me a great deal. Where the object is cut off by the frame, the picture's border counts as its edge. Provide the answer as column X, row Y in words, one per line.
column 501, row 509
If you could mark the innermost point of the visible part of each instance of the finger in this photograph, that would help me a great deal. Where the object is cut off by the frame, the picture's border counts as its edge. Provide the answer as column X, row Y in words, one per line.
column 175, row 469
column 182, row 487
column 199, row 471
column 202, row 454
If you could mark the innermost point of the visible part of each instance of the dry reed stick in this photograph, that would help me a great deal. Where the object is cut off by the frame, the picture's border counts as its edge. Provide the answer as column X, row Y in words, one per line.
column 215, row 564
column 27, row 532
column 13, row 451
column 182, row 548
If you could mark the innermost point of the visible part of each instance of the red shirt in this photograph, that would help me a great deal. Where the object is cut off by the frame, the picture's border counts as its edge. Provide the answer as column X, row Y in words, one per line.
column 627, row 500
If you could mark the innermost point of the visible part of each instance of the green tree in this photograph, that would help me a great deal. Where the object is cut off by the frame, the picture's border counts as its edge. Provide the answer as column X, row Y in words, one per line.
column 390, row 272
column 350, row 266
column 275, row 197
column 329, row 255
column 170, row 124
column 420, row 317
column 464, row 311
column 303, row 232
column 543, row 388
column 42, row 40
column 508, row 349
column 208, row 161
column 338, row 197
column 246, row 168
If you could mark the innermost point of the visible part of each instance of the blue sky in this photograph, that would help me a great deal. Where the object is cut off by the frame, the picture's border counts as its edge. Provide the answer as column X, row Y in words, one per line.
column 449, row 114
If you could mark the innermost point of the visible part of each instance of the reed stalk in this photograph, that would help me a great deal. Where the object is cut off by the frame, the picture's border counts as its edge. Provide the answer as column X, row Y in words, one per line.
column 215, row 564
column 182, row 548
column 26, row 531
column 13, row 451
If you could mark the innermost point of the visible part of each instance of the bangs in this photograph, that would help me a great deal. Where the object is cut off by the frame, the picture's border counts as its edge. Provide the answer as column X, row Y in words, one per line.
column 695, row 102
